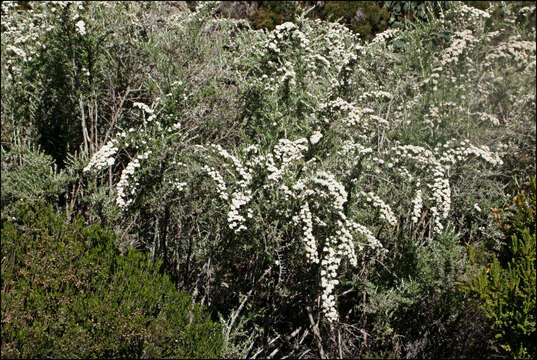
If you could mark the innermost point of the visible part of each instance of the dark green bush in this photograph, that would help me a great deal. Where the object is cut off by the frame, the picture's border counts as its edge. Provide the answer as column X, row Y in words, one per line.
column 505, row 287
column 366, row 18
column 67, row 292
column 273, row 13
column 411, row 10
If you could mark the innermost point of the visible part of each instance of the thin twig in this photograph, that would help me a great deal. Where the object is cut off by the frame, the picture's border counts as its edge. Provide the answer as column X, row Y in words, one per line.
column 339, row 344
column 273, row 353
column 316, row 332
column 306, row 333
column 304, row 353
column 236, row 314
column 257, row 353
column 83, row 120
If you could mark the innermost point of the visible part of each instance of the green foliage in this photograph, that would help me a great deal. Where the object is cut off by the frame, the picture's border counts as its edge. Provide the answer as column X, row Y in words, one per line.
column 524, row 19
column 412, row 304
column 58, row 75
column 481, row 5
column 411, row 10
column 366, row 18
column 272, row 13
column 29, row 175
column 67, row 292
column 505, row 287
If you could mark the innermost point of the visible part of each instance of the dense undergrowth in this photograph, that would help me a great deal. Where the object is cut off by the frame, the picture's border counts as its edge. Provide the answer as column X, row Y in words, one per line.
column 320, row 191
column 67, row 292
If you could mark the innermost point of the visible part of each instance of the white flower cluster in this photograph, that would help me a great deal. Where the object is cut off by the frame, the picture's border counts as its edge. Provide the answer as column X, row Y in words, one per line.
column 125, row 182
column 320, row 52
column 314, row 194
column 526, row 10
column 81, row 27
column 380, row 94
column 352, row 116
column 17, row 51
column 329, row 266
column 472, row 13
column 441, row 194
column 315, row 137
column 385, row 35
column 336, row 191
column 351, row 148
column 386, row 212
column 309, row 240
column 217, row 178
column 238, row 193
column 144, row 107
column 521, row 51
column 278, row 41
column 25, row 30
column 360, row 229
column 285, row 27
column 234, row 219
column 245, row 174
column 335, row 249
column 436, row 166
column 417, row 153
column 323, row 60
column 104, row 157
column 180, row 186
column 460, row 42
column 289, row 75
column 465, row 150
column 285, row 152
column 418, row 205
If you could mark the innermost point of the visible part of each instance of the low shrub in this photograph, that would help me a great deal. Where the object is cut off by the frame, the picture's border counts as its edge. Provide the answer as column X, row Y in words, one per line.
column 67, row 292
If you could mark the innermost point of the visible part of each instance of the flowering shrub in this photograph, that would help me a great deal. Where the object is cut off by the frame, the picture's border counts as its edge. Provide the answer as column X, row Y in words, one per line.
column 310, row 183
column 303, row 183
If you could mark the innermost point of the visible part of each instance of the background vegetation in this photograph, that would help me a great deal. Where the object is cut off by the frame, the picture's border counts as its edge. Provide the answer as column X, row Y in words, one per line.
column 268, row 179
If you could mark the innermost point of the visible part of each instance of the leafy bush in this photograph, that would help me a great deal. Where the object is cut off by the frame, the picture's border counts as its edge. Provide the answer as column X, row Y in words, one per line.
column 505, row 287
column 272, row 13
column 54, row 54
column 67, row 292
column 29, row 175
column 365, row 18
column 412, row 10
column 434, row 319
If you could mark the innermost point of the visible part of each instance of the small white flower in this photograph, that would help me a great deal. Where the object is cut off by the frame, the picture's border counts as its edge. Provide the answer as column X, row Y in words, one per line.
column 316, row 137
column 143, row 106
column 81, row 27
